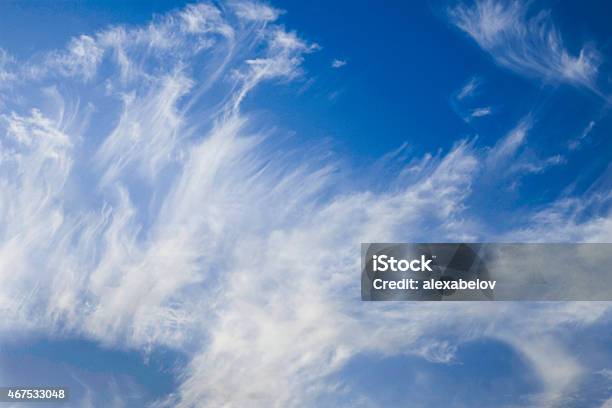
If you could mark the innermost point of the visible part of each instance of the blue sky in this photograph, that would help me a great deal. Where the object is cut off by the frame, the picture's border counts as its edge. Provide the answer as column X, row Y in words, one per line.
column 185, row 187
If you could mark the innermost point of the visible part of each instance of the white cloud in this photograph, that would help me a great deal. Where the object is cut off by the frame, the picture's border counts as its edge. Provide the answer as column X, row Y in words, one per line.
column 198, row 19
column 144, row 137
column 81, row 58
column 480, row 112
column 531, row 46
column 555, row 366
column 511, row 156
column 150, row 148
column 536, row 166
column 572, row 219
column 6, row 68
column 606, row 373
column 307, row 335
column 507, row 146
column 468, row 89
column 172, row 219
column 254, row 11
column 575, row 143
column 337, row 63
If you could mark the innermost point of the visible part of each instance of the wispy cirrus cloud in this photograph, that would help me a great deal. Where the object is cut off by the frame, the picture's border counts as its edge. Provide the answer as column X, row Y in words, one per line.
column 255, row 11
column 469, row 89
column 576, row 142
column 511, row 155
column 182, row 192
column 573, row 218
column 467, row 92
column 481, row 112
column 338, row 63
column 154, row 212
column 505, row 148
column 529, row 45
column 7, row 62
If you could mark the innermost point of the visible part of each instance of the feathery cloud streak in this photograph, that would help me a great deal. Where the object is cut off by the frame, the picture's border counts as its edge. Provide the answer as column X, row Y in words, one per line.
column 337, row 63
column 531, row 46
column 151, row 211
